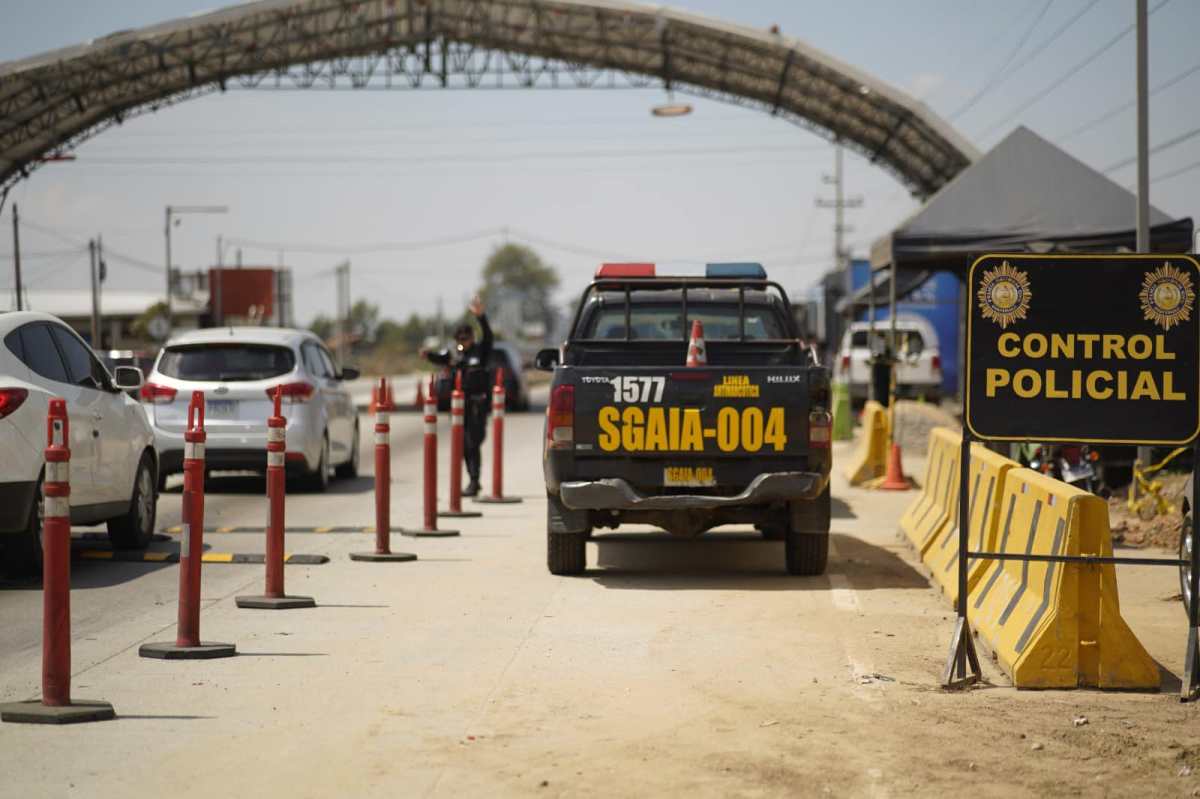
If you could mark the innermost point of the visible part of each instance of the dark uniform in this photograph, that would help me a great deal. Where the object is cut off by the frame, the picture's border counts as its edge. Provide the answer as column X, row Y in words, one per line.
column 477, row 386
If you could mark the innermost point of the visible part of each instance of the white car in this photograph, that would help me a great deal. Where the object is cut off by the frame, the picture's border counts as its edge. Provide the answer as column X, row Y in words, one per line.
column 238, row 369
column 918, row 365
column 113, row 462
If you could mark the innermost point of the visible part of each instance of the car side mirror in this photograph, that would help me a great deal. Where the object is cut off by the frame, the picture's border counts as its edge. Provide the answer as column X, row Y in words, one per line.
column 349, row 373
column 546, row 360
column 128, row 378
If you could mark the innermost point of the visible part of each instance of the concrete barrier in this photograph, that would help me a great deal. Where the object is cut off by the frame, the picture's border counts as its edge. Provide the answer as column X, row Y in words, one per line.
column 870, row 461
column 933, row 509
column 1056, row 625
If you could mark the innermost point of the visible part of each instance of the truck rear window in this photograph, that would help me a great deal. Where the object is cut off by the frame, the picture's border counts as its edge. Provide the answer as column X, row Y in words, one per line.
column 666, row 323
column 226, row 361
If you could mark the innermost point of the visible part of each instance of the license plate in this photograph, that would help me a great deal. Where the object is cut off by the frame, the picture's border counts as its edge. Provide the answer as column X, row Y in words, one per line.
column 689, row 477
column 222, row 408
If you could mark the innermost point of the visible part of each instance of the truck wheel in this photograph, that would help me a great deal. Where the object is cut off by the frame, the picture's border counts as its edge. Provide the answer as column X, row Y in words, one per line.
column 806, row 548
column 566, row 537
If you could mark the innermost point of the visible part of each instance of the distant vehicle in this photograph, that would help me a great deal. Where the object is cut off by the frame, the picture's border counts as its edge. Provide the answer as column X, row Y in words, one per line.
column 634, row 436
column 504, row 356
column 113, row 463
column 239, row 369
column 142, row 359
column 918, row 366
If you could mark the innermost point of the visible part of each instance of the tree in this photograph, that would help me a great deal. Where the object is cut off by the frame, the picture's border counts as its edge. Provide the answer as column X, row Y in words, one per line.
column 323, row 327
column 517, row 269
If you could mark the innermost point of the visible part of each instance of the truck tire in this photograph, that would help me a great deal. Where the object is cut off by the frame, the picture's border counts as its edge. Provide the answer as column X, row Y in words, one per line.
column 806, row 548
column 566, row 538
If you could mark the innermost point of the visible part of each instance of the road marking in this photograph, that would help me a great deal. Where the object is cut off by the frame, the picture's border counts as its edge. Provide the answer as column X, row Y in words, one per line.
column 217, row 557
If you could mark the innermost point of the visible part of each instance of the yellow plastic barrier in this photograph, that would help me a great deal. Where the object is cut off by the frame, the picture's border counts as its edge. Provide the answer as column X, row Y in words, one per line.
column 922, row 522
column 870, row 461
column 988, row 470
column 1055, row 625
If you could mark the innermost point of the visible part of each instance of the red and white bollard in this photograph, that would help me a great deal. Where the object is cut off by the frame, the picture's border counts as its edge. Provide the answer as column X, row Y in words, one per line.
column 383, row 484
column 274, row 598
column 56, row 706
column 430, row 528
column 499, row 399
column 187, row 645
column 457, row 409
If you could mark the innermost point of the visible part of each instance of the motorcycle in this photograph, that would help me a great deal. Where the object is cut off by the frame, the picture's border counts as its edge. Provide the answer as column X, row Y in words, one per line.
column 1074, row 464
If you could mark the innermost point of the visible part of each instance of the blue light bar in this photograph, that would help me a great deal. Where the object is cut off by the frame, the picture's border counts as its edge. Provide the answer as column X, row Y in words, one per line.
column 748, row 270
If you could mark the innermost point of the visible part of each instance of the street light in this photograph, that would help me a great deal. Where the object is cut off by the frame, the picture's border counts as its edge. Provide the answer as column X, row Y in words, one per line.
column 176, row 210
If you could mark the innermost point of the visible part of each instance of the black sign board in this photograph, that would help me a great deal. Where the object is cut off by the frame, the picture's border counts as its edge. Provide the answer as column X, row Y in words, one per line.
column 1093, row 348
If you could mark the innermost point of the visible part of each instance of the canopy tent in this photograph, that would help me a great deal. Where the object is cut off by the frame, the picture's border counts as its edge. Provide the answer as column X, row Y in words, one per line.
column 1025, row 195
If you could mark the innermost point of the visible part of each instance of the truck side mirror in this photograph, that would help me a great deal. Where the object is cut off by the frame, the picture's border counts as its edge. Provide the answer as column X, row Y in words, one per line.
column 546, row 360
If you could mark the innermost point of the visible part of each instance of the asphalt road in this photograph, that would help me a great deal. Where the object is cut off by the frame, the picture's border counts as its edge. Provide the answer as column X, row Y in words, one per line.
column 671, row 667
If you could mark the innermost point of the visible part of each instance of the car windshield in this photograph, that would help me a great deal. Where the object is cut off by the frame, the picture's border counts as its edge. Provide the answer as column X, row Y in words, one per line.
column 909, row 340
column 226, row 362
column 665, row 322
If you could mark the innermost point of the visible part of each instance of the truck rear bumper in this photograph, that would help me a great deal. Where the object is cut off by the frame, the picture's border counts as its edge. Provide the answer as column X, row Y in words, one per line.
column 617, row 494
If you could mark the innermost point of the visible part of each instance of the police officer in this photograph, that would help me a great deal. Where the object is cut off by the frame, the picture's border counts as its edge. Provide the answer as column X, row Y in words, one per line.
column 471, row 358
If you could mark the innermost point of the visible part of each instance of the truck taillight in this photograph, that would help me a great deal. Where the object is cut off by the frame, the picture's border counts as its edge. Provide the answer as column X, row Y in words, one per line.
column 157, row 394
column 560, row 418
column 846, row 363
column 293, row 392
column 937, row 363
column 820, row 429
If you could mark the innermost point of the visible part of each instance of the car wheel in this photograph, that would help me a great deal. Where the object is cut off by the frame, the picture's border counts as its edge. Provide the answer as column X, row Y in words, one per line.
column 135, row 528
column 23, row 550
column 1187, row 540
column 349, row 469
column 806, row 548
column 318, row 479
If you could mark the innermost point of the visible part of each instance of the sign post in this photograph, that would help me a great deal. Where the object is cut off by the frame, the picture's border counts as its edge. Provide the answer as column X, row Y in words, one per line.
column 1101, row 349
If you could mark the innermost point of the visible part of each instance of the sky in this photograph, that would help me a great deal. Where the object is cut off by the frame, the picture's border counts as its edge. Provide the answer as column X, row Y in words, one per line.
column 417, row 187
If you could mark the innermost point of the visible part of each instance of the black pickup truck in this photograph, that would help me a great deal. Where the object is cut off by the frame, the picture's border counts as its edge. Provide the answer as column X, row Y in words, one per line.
column 635, row 436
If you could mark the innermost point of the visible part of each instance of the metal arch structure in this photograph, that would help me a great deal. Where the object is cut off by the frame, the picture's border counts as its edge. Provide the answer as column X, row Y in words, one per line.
column 52, row 102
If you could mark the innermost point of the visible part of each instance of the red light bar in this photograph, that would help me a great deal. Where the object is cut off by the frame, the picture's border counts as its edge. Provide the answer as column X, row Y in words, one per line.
column 625, row 270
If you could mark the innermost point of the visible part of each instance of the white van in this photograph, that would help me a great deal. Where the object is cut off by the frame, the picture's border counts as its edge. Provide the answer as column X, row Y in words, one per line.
column 918, row 370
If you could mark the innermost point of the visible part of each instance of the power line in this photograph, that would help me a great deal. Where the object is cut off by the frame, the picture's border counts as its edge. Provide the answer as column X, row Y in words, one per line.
column 1174, row 173
column 1107, row 115
column 1000, row 71
column 1070, row 73
column 367, row 249
column 1166, row 145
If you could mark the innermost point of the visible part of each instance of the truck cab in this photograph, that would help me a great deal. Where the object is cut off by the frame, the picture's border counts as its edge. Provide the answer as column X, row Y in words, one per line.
column 636, row 435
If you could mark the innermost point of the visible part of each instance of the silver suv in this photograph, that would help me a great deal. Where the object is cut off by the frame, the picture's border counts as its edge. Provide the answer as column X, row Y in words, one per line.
column 238, row 369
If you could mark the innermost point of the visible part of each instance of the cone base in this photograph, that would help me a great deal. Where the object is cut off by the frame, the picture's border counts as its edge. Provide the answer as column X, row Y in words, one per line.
column 165, row 650
column 424, row 532
column 383, row 557
column 34, row 712
column 498, row 500
column 459, row 514
column 275, row 602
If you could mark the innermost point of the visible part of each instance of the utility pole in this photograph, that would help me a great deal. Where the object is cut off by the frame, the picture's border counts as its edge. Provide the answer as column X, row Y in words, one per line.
column 101, row 275
column 839, row 204
column 342, row 272
column 17, row 256
column 95, row 304
column 169, row 281
column 1144, row 454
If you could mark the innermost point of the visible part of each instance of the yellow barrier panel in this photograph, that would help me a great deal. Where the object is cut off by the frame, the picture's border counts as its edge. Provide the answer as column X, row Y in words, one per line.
column 1055, row 625
column 944, row 446
column 988, row 470
column 927, row 502
column 870, row 461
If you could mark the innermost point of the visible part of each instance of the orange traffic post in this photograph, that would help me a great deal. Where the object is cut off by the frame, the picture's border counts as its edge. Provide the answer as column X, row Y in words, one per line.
column 274, row 598
column 383, row 485
column 187, row 644
column 457, row 408
column 56, row 705
column 429, row 528
column 499, row 399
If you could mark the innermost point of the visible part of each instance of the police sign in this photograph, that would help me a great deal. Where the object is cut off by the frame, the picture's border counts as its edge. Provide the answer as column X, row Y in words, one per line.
column 1095, row 348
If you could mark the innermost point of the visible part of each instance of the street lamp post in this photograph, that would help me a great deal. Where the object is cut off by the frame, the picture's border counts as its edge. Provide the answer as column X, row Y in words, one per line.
column 176, row 210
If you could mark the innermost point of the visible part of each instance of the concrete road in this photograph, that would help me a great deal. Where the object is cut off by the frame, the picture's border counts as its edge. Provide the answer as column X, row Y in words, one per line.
column 672, row 667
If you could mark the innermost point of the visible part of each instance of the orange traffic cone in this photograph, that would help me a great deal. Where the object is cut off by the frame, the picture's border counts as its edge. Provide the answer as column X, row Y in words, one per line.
column 895, row 480
column 374, row 400
column 420, row 403
column 697, row 354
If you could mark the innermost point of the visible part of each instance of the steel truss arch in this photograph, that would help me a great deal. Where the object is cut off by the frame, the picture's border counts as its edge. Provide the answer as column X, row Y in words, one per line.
column 51, row 102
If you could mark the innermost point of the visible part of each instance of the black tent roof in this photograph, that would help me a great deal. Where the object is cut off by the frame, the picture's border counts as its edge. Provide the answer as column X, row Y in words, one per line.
column 1025, row 195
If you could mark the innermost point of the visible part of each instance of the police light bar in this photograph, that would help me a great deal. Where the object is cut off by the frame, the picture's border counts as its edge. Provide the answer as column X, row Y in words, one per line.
column 749, row 270
column 625, row 270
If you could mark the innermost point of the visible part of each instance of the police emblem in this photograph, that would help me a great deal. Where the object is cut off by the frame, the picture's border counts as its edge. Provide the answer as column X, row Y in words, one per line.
column 1167, row 296
column 1004, row 294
